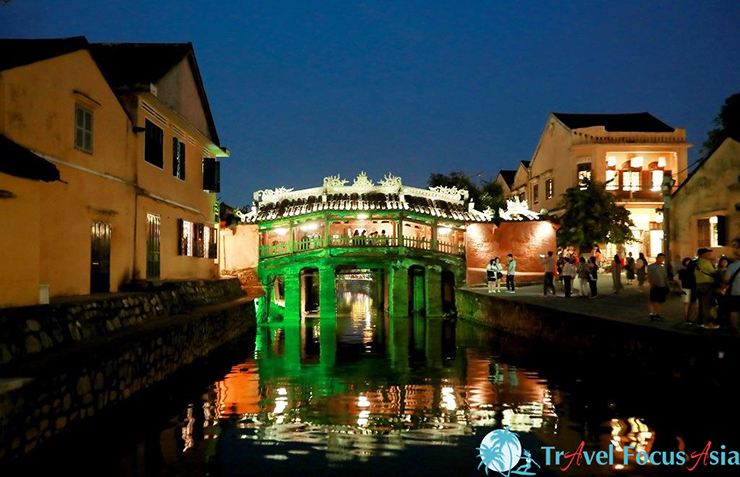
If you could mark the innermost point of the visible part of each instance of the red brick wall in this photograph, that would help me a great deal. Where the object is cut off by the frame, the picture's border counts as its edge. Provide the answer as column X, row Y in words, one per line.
column 526, row 240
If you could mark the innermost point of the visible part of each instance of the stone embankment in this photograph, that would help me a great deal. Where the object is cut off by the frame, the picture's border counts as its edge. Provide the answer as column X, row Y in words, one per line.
column 66, row 362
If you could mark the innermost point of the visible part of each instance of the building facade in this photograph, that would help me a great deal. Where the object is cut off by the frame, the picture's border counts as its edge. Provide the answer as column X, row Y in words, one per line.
column 631, row 153
column 115, row 210
column 705, row 210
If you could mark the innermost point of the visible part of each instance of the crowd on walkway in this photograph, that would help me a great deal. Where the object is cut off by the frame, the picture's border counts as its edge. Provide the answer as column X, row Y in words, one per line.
column 709, row 286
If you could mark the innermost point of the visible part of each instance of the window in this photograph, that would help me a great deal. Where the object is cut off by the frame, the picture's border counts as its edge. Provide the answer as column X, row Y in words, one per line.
column 522, row 197
column 178, row 158
column 186, row 238
column 657, row 180
column 83, row 129
column 611, row 161
column 611, row 180
column 153, row 144
column 211, row 175
column 213, row 246
column 549, row 188
column 713, row 231
column 584, row 174
column 631, row 181
column 199, row 240
column 536, row 193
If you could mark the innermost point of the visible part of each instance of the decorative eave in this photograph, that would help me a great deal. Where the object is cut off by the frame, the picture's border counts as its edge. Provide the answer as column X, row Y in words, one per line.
column 389, row 194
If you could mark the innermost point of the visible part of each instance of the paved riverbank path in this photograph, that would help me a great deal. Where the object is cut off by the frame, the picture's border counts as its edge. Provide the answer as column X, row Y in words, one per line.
column 628, row 306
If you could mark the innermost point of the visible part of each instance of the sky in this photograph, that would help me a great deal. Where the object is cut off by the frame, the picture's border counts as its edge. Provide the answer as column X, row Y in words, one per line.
column 302, row 90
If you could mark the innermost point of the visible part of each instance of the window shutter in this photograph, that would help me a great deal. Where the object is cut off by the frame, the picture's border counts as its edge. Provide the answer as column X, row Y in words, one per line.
column 721, row 230
column 180, row 238
column 209, row 174
column 175, row 157
column 182, row 160
column 217, row 177
column 703, row 232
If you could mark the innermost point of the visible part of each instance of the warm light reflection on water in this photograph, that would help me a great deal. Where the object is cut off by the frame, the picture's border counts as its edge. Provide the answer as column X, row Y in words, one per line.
column 368, row 394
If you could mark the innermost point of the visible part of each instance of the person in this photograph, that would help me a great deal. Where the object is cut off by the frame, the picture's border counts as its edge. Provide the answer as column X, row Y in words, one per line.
column 593, row 276
column 675, row 267
column 569, row 274
column 499, row 274
column 599, row 257
column 657, row 276
column 510, row 274
column 559, row 264
column 687, row 281
column 549, row 264
column 706, row 280
column 383, row 238
column 641, row 270
column 356, row 238
column 732, row 280
column 617, row 274
column 630, row 269
column 720, row 295
column 583, row 278
column 491, row 275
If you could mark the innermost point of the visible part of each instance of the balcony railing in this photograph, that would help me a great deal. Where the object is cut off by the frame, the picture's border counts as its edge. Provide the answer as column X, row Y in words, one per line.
column 362, row 242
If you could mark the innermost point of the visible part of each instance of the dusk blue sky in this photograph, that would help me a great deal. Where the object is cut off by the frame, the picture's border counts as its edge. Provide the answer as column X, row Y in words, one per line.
column 302, row 90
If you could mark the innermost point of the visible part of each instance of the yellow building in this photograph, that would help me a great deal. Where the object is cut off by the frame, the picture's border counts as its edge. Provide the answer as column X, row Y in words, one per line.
column 705, row 209
column 133, row 152
column 630, row 152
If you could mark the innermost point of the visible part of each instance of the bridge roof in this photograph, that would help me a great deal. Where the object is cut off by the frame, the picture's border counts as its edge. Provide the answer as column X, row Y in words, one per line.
column 364, row 196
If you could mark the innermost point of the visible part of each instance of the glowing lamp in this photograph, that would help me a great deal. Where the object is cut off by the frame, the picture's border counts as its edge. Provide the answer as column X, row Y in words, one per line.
column 637, row 161
column 444, row 230
column 611, row 161
column 362, row 216
column 281, row 231
column 309, row 226
column 661, row 162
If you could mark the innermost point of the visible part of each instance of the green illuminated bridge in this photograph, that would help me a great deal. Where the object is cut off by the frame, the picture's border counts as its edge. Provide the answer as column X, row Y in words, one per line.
column 403, row 245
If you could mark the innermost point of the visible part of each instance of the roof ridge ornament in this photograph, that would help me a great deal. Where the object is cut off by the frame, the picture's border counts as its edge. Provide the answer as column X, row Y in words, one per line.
column 517, row 210
column 334, row 181
column 389, row 180
column 362, row 181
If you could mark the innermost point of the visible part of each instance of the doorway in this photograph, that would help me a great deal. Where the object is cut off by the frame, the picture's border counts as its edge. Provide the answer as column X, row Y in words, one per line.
column 100, row 258
column 152, row 245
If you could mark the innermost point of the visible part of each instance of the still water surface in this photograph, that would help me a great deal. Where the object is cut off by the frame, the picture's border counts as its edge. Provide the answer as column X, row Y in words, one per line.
column 369, row 394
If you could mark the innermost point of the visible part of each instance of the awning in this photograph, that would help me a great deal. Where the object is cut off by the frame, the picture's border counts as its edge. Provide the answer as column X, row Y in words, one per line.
column 18, row 161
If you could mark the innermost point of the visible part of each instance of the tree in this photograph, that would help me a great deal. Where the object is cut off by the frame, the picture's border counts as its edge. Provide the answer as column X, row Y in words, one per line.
column 727, row 122
column 487, row 194
column 592, row 216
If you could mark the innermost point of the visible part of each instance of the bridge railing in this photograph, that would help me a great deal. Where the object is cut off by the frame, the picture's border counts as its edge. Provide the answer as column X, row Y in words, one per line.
column 360, row 242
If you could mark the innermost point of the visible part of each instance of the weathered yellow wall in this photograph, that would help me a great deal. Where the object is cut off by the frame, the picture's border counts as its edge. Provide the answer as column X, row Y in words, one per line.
column 19, row 241
column 239, row 247
column 37, row 109
column 551, row 160
column 172, row 265
column 713, row 190
column 39, row 104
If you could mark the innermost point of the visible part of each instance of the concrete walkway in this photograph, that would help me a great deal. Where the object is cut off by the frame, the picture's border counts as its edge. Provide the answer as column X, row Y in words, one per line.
column 629, row 305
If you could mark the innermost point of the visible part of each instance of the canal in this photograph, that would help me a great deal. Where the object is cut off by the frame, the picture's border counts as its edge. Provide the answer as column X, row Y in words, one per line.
column 371, row 394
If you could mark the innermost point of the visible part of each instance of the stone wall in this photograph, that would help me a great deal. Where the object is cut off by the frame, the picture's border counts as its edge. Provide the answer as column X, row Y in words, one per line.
column 26, row 331
column 575, row 332
column 525, row 240
column 66, row 386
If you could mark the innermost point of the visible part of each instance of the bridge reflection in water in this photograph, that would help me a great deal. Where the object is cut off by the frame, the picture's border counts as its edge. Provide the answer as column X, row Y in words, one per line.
column 366, row 384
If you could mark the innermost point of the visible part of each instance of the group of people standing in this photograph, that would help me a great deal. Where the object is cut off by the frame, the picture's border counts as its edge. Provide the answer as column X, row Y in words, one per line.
column 710, row 289
column 568, row 268
column 495, row 274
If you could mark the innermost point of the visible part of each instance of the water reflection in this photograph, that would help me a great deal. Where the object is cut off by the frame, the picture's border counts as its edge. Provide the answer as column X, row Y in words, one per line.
column 368, row 385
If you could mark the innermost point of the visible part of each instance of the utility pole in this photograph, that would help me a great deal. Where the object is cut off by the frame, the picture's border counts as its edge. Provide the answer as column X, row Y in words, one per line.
column 666, row 188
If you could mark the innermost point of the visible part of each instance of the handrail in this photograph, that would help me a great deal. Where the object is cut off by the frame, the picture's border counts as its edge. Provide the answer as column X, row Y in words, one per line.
column 362, row 241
